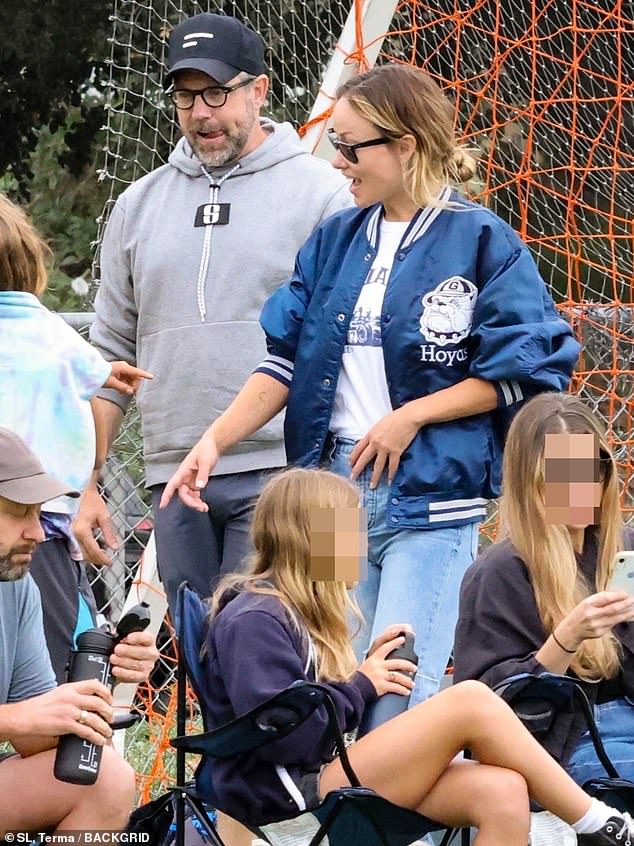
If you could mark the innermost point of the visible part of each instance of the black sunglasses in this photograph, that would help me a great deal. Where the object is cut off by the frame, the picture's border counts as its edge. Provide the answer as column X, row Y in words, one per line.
column 349, row 151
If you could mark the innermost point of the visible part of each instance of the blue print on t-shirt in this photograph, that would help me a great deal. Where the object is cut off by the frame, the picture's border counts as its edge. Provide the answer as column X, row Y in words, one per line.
column 365, row 325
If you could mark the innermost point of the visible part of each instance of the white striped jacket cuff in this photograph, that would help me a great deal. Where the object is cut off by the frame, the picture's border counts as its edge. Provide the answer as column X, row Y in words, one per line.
column 277, row 367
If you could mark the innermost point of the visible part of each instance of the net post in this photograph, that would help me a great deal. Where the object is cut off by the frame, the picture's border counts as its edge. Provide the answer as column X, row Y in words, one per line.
column 146, row 587
column 376, row 16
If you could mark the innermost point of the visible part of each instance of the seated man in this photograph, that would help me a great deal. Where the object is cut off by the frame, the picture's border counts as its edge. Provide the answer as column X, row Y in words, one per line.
column 33, row 711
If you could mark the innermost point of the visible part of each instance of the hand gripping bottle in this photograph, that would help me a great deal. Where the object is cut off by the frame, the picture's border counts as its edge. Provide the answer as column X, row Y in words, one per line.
column 390, row 704
column 77, row 760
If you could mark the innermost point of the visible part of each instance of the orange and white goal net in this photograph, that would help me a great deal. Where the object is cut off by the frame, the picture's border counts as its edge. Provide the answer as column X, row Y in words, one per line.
column 543, row 90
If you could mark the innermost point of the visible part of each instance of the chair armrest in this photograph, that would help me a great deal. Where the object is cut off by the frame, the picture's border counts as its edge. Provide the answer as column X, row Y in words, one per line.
column 276, row 718
column 537, row 699
column 124, row 720
column 552, row 687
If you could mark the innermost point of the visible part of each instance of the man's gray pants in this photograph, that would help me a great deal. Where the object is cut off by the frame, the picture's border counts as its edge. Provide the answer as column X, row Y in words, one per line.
column 202, row 547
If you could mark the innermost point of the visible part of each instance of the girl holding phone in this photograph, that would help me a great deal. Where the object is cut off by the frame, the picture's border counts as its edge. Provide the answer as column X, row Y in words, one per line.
column 540, row 599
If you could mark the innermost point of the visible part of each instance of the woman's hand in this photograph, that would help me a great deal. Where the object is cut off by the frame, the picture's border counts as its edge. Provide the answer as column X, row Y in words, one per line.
column 386, row 441
column 386, row 674
column 193, row 474
column 595, row 616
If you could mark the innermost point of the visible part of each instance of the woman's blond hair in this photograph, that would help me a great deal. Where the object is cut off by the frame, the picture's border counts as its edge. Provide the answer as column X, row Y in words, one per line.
column 402, row 100
column 281, row 564
column 23, row 254
column 547, row 549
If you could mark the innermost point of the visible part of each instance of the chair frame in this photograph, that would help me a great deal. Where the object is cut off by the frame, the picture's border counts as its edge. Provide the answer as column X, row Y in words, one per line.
column 185, row 798
column 561, row 691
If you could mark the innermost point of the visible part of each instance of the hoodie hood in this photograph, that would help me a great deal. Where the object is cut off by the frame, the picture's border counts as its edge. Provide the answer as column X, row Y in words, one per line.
column 281, row 144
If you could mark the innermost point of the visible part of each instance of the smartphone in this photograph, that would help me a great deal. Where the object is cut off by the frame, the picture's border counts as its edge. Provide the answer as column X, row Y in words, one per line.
column 623, row 572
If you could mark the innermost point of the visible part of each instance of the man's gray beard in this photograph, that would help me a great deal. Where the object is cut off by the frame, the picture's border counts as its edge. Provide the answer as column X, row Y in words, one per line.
column 12, row 573
column 231, row 153
column 234, row 145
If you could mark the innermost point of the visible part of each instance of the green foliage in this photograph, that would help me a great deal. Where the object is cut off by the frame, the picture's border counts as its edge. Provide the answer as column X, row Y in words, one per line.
column 47, row 53
column 52, row 79
column 64, row 207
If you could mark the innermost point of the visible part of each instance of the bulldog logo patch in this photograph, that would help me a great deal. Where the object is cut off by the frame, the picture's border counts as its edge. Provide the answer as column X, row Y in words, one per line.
column 448, row 311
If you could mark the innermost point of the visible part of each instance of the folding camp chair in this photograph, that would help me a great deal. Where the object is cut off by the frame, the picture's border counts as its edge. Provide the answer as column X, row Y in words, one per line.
column 350, row 816
column 539, row 699
column 163, row 820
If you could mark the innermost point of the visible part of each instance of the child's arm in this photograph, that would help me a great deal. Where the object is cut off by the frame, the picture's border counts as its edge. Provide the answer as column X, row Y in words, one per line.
column 93, row 512
column 125, row 378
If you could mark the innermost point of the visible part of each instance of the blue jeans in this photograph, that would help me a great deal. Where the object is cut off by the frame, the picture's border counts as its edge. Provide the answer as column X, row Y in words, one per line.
column 414, row 577
column 615, row 721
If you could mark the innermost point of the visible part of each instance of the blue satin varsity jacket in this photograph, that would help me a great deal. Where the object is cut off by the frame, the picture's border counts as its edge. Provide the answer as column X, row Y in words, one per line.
column 464, row 298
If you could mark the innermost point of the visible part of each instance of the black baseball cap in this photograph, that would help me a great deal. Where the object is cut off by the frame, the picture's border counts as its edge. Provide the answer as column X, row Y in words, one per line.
column 22, row 477
column 218, row 45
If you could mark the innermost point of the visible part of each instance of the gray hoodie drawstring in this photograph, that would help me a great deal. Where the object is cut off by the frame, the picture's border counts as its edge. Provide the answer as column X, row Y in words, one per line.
column 214, row 189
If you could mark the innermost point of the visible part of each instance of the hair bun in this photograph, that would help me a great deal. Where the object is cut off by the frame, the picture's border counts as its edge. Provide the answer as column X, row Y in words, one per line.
column 463, row 165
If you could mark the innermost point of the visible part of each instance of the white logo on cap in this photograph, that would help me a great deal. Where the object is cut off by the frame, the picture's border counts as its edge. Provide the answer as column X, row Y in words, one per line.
column 187, row 39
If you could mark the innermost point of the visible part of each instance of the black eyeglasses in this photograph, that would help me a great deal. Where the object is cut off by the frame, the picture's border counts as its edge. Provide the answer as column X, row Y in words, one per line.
column 349, row 151
column 215, row 96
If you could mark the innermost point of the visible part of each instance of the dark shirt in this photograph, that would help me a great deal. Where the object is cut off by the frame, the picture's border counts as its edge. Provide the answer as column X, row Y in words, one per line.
column 255, row 651
column 499, row 631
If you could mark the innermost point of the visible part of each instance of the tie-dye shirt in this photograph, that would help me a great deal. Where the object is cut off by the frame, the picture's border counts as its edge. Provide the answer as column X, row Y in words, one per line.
column 48, row 373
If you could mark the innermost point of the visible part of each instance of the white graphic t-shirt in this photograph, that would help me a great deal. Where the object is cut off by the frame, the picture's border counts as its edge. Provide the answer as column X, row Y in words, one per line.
column 362, row 397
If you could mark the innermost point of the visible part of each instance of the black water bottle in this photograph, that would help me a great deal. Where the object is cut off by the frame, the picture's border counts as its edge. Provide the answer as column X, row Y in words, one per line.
column 77, row 760
column 390, row 704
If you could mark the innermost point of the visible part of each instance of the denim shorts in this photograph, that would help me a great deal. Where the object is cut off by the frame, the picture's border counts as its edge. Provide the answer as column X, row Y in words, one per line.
column 615, row 721
column 309, row 788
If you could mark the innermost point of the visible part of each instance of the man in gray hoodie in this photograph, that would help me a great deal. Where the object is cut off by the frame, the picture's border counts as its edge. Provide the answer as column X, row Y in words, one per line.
column 190, row 254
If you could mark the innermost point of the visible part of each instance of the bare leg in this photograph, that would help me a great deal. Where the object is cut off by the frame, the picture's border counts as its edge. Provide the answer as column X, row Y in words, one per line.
column 105, row 805
column 404, row 758
column 232, row 832
column 492, row 799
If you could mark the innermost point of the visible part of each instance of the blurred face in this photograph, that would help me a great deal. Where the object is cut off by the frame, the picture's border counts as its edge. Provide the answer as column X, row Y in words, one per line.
column 378, row 174
column 222, row 135
column 20, row 533
column 338, row 544
column 573, row 480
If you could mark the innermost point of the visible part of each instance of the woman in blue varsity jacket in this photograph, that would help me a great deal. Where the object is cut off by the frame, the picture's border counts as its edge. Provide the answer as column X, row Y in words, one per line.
column 411, row 330
column 286, row 619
